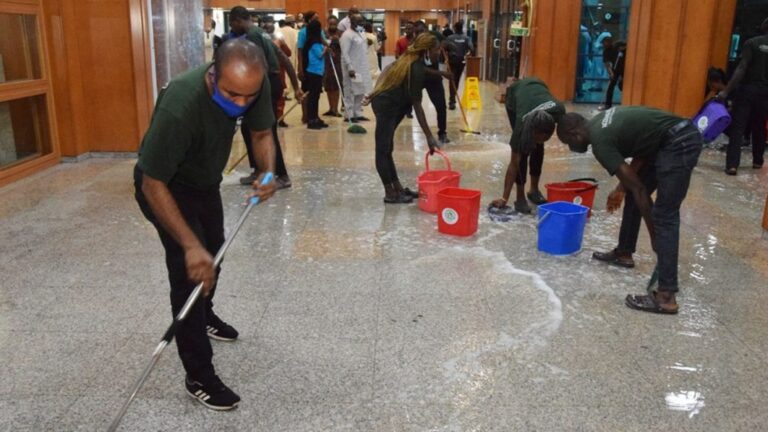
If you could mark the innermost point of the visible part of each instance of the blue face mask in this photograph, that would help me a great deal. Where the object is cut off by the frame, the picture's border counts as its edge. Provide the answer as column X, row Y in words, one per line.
column 360, row 29
column 230, row 108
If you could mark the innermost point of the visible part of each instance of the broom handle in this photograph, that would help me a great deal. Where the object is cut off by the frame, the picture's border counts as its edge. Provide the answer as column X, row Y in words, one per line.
column 240, row 159
column 455, row 90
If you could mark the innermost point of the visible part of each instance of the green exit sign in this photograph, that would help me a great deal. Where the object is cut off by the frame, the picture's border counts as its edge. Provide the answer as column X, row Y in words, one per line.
column 519, row 31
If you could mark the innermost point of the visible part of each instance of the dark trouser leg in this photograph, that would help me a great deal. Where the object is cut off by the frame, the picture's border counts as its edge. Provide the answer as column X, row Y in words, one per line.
column 609, row 93
column 522, row 171
column 631, row 219
column 314, row 86
column 436, row 94
column 202, row 211
column 457, row 68
column 386, row 124
column 760, row 112
column 740, row 120
column 536, row 163
column 277, row 91
column 674, row 164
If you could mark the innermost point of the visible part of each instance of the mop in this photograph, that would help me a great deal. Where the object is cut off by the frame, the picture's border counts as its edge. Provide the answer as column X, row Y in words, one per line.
column 168, row 336
column 353, row 128
column 458, row 99
column 237, row 162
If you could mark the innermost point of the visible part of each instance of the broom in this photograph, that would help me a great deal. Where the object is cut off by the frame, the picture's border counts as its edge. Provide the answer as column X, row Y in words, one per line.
column 353, row 128
column 237, row 162
column 458, row 99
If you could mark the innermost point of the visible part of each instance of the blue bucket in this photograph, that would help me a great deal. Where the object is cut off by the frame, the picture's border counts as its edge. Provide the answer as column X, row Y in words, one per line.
column 561, row 227
column 712, row 120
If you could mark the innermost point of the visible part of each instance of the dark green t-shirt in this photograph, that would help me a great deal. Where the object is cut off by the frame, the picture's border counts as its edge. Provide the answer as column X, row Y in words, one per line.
column 398, row 99
column 261, row 38
column 189, row 138
column 524, row 97
column 627, row 132
column 756, row 51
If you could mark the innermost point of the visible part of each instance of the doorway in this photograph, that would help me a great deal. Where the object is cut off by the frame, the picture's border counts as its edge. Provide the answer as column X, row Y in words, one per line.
column 505, row 47
column 600, row 19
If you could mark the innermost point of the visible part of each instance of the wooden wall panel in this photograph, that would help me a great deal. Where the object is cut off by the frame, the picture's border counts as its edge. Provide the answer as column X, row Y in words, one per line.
column 253, row 4
column 721, row 33
column 98, row 53
column 670, row 48
column 298, row 6
column 550, row 52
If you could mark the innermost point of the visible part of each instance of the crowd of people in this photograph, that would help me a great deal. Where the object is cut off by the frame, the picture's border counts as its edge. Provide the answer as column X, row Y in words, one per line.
column 182, row 156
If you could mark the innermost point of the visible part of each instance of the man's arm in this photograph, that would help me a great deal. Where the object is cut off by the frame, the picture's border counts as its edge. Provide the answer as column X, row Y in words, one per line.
column 346, row 61
column 632, row 184
column 263, row 148
column 198, row 261
column 285, row 62
column 509, row 180
column 616, row 197
column 738, row 75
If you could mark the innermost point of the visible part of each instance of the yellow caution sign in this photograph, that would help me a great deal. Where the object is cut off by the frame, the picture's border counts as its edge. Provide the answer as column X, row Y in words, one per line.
column 471, row 97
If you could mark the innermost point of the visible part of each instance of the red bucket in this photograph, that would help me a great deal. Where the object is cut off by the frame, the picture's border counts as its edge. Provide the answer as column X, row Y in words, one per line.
column 458, row 211
column 578, row 191
column 433, row 181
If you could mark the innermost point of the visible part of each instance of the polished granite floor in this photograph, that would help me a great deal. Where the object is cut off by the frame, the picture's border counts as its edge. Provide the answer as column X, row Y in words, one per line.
column 355, row 316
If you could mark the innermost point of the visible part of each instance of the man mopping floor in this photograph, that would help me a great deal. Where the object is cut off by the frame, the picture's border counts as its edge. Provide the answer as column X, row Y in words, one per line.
column 664, row 149
column 177, row 181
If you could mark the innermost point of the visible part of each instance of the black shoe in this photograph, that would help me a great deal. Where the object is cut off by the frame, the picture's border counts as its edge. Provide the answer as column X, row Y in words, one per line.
column 282, row 124
column 613, row 257
column 452, row 107
column 401, row 198
column 731, row 171
column 283, row 182
column 522, row 207
column 354, row 120
column 409, row 115
column 214, row 395
column 443, row 138
column 536, row 198
column 248, row 180
column 361, row 118
column 323, row 124
column 218, row 329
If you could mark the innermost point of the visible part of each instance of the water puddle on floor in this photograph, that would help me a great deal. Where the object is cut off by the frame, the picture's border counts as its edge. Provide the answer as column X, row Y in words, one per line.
column 691, row 402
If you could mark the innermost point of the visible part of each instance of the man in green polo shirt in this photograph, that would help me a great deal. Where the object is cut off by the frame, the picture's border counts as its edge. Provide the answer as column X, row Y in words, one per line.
column 242, row 26
column 664, row 149
column 177, row 182
column 523, row 99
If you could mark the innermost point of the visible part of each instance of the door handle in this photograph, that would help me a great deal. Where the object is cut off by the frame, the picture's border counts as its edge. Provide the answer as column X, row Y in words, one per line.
column 497, row 43
column 511, row 45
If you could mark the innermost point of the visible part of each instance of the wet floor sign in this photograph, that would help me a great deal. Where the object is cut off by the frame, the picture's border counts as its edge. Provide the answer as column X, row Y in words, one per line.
column 471, row 97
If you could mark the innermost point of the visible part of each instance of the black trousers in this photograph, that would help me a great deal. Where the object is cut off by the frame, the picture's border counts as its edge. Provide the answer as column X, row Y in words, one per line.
column 669, row 174
column 436, row 94
column 313, row 86
column 386, row 124
column 280, row 169
column 619, row 79
column 202, row 210
column 536, row 159
column 750, row 103
column 457, row 68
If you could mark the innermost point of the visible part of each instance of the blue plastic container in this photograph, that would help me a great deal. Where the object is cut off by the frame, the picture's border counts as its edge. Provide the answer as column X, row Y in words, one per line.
column 561, row 227
column 712, row 120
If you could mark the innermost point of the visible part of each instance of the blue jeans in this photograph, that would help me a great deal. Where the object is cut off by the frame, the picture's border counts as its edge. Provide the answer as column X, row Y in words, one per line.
column 669, row 174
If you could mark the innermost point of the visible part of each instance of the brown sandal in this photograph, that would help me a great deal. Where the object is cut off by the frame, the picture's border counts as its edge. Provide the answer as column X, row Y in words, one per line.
column 614, row 258
column 648, row 303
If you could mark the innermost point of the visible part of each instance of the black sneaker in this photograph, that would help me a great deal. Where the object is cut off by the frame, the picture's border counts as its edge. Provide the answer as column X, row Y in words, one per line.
column 215, row 395
column 443, row 138
column 249, row 179
column 218, row 329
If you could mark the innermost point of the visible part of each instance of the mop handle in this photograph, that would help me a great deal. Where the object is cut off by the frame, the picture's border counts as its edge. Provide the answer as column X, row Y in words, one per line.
column 168, row 336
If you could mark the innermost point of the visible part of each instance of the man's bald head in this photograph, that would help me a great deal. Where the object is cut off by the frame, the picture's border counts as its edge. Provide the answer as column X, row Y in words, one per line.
column 239, row 54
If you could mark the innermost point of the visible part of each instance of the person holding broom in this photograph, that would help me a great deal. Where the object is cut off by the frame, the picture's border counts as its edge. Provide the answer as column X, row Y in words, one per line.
column 313, row 55
column 399, row 87
column 533, row 113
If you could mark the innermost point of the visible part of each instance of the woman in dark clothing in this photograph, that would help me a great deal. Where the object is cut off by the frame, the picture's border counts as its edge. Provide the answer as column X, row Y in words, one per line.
column 313, row 55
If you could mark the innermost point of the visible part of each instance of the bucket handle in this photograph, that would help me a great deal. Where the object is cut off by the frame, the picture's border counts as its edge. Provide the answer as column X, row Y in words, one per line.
column 585, row 179
column 542, row 219
column 441, row 154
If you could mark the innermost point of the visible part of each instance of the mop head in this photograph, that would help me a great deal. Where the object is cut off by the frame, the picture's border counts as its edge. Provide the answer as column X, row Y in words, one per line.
column 356, row 129
column 504, row 214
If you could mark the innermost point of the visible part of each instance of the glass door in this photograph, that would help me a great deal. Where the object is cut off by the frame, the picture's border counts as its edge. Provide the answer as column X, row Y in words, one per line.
column 505, row 45
column 601, row 20
column 25, row 103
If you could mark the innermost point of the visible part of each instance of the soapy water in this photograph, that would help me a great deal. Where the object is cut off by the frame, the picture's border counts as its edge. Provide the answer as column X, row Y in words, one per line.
column 691, row 402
